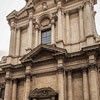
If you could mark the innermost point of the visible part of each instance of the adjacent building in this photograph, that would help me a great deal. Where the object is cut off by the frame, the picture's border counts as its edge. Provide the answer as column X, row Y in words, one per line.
column 54, row 52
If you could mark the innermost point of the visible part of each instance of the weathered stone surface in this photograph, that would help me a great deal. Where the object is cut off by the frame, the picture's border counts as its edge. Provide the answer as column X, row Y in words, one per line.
column 66, row 69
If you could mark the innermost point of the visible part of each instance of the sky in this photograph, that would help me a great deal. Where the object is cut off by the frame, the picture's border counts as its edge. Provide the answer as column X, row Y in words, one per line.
column 7, row 6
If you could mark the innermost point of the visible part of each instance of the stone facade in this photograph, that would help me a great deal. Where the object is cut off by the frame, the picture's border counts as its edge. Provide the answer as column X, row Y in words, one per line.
column 66, row 69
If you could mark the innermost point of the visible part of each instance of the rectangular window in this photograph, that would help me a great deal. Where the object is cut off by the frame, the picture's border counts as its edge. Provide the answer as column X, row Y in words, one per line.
column 46, row 36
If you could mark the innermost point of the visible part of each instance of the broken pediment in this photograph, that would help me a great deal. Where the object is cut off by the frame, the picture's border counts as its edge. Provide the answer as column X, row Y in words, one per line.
column 43, row 52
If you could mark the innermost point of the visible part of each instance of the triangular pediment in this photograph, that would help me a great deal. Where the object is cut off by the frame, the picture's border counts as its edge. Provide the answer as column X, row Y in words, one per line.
column 43, row 52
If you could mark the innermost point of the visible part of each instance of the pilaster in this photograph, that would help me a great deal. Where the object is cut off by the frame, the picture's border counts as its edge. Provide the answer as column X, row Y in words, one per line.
column 36, row 34
column 30, row 29
column 70, row 91
column 8, row 89
column 93, row 77
column 60, row 29
column 18, row 42
column 81, row 26
column 93, row 82
column 53, row 30
column 12, row 38
column 28, row 82
column 61, row 80
column 85, row 84
column 89, row 23
column 14, row 90
column 68, row 35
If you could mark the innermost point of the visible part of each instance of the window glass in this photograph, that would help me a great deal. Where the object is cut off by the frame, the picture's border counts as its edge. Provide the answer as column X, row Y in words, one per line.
column 46, row 36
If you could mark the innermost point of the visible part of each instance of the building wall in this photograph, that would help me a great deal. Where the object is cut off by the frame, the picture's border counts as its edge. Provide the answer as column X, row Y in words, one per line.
column 62, row 68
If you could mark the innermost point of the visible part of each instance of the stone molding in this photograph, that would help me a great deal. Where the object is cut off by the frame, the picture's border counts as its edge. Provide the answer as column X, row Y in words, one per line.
column 43, row 93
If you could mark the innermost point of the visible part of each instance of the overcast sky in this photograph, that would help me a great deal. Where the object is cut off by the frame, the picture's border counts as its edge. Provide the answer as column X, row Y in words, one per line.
column 6, row 6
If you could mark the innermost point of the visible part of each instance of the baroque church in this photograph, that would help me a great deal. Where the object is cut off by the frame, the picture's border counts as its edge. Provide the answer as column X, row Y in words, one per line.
column 54, row 52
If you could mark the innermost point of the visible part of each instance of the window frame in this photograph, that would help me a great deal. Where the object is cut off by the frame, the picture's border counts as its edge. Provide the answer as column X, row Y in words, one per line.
column 50, row 35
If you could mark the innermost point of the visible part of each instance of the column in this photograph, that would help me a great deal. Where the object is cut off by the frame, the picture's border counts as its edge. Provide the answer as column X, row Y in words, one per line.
column 68, row 35
column 36, row 35
column 82, row 36
column 70, row 91
column 28, row 82
column 60, row 33
column 53, row 31
column 30, row 29
column 14, row 90
column 12, row 39
column 93, row 84
column 85, row 85
column 7, row 87
column 18, row 42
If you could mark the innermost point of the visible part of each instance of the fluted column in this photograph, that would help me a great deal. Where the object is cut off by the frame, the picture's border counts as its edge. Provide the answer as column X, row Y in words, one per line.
column 70, row 91
column 68, row 36
column 28, row 82
column 30, row 30
column 85, row 85
column 18, row 42
column 12, row 39
column 60, row 33
column 36, row 35
column 93, row 83
column 53, row 31
column 14, row 90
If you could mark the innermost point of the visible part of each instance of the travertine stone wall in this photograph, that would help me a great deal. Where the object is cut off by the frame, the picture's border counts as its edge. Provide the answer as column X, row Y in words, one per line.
column 70, row 30
column 46, row 80
column 74, row 74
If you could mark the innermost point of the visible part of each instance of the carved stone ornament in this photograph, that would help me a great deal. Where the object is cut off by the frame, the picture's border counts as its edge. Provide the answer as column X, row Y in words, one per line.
column 43, row 93
column 45, row 22
column 44, row 6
